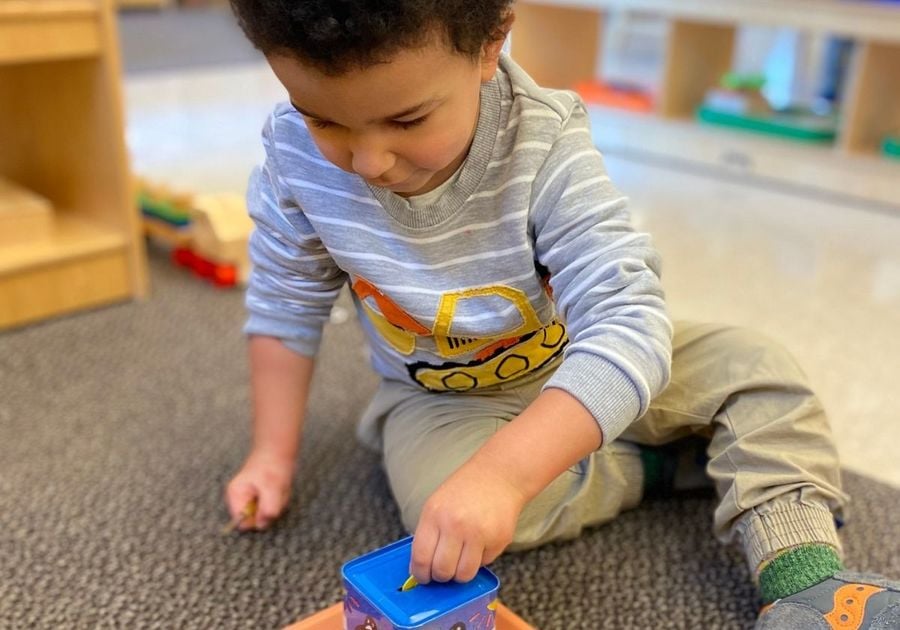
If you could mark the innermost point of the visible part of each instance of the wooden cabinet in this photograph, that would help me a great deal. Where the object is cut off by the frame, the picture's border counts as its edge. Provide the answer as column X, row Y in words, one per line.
column 62, row 137
column 553, row 40
column 142, row 4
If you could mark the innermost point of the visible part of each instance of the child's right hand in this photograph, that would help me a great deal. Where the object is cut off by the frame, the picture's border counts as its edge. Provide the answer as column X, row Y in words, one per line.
column 265, row 477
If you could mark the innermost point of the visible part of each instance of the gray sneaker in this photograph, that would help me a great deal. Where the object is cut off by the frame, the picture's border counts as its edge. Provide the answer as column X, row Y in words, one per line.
column 845, row 601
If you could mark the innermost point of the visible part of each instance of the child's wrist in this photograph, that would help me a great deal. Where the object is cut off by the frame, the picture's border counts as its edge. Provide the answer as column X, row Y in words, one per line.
column 280, row 455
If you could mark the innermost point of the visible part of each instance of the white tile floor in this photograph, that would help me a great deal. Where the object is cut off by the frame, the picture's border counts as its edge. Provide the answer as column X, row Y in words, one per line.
column 822, row 278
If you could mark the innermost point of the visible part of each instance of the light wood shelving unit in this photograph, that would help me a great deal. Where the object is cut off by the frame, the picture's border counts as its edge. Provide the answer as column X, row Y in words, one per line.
column 557, row 42
column 62, row 137
column 143, row 4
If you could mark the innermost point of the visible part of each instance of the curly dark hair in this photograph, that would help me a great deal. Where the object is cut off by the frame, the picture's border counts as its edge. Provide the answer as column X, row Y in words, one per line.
column 335, row 36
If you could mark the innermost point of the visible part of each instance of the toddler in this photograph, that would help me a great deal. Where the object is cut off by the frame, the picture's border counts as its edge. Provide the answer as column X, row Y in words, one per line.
column 532, row 384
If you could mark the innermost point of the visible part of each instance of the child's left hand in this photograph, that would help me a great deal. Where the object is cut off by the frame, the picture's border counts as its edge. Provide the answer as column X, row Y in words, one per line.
column 465, row 524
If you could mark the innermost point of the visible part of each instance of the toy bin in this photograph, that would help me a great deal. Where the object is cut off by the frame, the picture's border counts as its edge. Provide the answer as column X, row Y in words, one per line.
column 374, row 601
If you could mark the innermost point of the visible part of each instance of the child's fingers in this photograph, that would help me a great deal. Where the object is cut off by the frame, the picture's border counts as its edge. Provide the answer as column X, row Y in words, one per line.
column 490, row 554
column 242, row 499
column 240, row 508
column 270, row 507
column 469, row 562
column 238, row 495
column 422, row 555
column 446, row 557
column 246, row 518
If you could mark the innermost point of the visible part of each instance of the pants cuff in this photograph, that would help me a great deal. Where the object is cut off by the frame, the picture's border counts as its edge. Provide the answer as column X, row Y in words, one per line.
column 766, row 530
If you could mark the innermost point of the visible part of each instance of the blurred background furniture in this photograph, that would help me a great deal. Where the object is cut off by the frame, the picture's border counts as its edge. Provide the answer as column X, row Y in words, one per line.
column 561, row 43
column 62, row 138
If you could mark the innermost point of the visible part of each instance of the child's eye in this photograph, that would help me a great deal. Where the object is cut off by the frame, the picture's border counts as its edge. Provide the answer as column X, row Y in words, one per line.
column 409, row 124
column 319, row 124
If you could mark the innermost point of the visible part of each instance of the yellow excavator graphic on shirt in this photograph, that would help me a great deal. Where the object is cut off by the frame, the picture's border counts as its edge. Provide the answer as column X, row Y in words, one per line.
column 497, row 359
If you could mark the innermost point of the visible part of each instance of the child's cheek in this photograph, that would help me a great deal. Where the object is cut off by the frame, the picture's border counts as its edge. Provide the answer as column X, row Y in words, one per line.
column 335, row 154
column 441, row 150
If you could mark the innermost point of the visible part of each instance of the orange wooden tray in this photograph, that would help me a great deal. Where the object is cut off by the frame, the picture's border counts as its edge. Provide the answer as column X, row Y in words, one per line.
column 332, row 618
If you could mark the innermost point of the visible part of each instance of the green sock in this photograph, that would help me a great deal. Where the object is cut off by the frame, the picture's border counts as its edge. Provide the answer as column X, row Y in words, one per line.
column 652, row 463
column 797, row 568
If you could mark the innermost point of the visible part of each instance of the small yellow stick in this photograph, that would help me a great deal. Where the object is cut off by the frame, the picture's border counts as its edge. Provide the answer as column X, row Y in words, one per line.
column 409, row 584
column 248, row 511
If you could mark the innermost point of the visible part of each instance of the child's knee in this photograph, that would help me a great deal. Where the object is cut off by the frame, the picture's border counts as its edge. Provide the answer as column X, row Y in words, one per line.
column 750, row 354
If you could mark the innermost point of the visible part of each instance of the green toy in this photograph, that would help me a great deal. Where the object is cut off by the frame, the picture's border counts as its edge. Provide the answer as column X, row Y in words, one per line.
column 738, row 102
column 794, row 125
column 891, row 147
column 163, row 210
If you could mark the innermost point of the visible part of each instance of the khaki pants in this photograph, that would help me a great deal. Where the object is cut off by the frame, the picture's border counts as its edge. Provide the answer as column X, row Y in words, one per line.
column 771, row 455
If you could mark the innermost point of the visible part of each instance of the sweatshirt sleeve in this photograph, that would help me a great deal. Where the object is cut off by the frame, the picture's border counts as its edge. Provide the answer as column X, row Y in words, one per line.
column 605, row 281
column 294, row 281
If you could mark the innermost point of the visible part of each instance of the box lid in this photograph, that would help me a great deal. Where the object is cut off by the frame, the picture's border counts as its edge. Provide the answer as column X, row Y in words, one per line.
column 378, row 575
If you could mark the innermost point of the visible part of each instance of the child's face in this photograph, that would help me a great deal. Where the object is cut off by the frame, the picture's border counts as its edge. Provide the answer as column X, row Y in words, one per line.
column 405, row 125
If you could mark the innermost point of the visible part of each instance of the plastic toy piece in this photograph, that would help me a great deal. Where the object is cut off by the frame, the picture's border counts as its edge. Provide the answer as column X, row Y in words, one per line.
column 801, row 126
column 163, row 210
column 739, row 94
column 891, row 147
column 332, row 618
column 743, row 82
column 219, row 274
column 618, row 95
column 208, row 233
column 165, row 214
column 738, row 102
column 248, row 511
column 410, row 583
column 163, row 204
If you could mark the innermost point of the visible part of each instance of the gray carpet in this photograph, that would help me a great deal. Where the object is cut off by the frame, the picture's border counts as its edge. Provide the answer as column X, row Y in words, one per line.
column 119, row 427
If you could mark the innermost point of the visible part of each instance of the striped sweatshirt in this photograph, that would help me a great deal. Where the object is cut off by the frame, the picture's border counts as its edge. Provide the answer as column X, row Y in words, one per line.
column 527, row 261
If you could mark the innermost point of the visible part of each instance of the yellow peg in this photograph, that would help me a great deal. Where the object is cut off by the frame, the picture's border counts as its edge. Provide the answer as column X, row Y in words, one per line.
column 409, row 584
column 248, row 511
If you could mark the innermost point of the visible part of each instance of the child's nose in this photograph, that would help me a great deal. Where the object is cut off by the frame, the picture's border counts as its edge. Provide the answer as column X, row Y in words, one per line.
column 372, row 163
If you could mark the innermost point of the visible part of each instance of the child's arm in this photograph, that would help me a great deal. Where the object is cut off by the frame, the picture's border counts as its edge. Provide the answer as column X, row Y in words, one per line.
column 605, row 281
column 292, row 288
column 280, row 382
column 470, row 519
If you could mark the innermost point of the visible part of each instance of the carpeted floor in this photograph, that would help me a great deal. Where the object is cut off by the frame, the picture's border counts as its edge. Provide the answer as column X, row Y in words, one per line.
column 118, row 429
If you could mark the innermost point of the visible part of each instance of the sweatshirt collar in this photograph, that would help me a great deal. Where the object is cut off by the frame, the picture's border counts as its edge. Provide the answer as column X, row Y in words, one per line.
column 470, row 177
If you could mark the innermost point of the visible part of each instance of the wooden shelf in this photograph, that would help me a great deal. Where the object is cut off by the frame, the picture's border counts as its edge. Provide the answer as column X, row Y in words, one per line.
column 873, row 109
column 62, row 133
column 143, row 4
column 71, row 238
column 700, row 46
column 45, row 30
column 857, row 18
column 80, row 266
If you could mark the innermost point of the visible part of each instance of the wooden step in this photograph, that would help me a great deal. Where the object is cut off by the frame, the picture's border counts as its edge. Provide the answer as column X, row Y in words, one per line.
column 24, row 216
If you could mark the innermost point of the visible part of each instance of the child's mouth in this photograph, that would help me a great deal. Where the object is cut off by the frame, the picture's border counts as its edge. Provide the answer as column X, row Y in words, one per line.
column 390, row 185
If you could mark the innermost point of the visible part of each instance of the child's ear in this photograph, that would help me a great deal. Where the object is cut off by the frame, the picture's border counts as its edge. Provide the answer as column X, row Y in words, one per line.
column 490, row 54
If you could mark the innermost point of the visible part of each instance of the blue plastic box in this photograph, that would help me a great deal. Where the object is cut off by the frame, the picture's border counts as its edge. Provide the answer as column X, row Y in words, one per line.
column 374, row 601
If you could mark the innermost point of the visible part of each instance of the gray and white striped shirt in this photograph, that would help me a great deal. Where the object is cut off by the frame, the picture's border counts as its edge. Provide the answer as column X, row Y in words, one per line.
column 527, row 257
